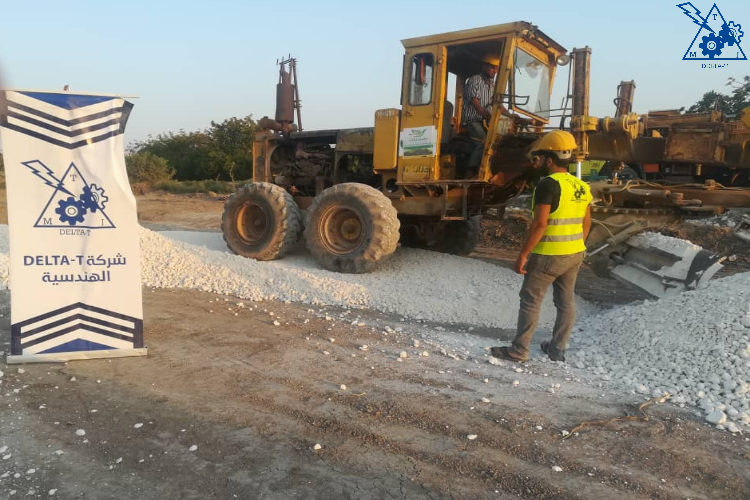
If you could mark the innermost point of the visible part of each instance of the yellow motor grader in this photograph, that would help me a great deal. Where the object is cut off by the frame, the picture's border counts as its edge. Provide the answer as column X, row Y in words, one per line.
column 407, row 179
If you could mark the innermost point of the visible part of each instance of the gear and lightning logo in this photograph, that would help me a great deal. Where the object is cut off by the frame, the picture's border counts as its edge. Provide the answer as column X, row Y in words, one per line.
column 93, row 198
column 716, row 35
column 74, row 201
column 73, row 210
column 730, row 34
column 711, row 45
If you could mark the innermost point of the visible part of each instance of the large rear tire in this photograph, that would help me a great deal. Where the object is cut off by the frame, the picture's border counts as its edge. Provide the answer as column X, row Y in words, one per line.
column 261, row 221
column 461, row 236
column 351, row 228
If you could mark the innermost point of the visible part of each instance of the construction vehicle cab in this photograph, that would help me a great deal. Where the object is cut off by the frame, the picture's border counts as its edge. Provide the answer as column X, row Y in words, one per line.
column 432, row 145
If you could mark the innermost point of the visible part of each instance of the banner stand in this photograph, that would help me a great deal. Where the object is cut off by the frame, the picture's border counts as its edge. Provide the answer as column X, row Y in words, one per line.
column 75, row 270
column 64, row 357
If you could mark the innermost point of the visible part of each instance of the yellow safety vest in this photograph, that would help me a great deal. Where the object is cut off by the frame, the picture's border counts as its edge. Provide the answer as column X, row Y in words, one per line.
column 564, row 234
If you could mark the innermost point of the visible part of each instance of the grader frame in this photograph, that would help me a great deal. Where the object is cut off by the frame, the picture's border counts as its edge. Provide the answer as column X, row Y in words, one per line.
column 412, row 163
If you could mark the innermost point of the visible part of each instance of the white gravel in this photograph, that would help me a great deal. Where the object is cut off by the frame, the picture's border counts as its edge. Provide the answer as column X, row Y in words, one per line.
column 728, row 219
column 414, row 283
column 693, row 346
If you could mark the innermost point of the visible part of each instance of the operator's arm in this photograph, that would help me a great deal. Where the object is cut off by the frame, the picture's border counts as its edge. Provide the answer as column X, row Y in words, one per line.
column 533, row 236
column 481, row 110
column 587, row 223
column 484, row 113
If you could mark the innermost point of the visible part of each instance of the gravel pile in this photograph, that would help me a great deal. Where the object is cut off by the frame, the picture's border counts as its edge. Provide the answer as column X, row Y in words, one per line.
column 415, row 284
column 695, row 346
column 730, row 219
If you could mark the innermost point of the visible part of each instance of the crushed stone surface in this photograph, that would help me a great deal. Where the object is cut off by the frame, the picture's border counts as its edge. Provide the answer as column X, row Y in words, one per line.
column 730, row 218
column 694, row 346
column 417, row 284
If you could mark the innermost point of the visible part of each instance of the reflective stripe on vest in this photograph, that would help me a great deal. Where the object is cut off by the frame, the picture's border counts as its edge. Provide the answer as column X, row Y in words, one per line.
column 564, row 233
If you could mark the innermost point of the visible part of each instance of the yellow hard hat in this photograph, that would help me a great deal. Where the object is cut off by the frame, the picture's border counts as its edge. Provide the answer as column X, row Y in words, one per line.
column 491, row 59
column 560, row 142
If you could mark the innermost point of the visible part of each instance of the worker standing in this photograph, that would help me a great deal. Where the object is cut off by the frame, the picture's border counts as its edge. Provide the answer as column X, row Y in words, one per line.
column 554, row 248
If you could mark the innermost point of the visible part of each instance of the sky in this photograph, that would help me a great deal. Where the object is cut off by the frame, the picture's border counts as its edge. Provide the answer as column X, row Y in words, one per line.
column 192, row 62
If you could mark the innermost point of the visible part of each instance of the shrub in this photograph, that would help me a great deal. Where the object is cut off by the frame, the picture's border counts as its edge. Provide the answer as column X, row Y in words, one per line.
column 148, row 168
column 140, row 188
column 184, row 187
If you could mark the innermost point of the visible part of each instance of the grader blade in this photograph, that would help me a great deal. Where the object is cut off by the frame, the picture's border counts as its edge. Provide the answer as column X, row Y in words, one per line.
column 662, row 266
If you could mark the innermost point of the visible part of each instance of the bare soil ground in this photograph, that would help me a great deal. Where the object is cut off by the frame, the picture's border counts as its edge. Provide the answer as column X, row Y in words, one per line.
column 255, row 398
column 188, row 211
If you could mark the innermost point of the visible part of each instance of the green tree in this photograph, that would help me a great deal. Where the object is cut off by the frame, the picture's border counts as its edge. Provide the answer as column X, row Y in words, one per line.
column 223, row 152
column 740, row 94
column 147, row 167
column 233, row 147
column 711, row 101
column 731, row 105
column 187, row 153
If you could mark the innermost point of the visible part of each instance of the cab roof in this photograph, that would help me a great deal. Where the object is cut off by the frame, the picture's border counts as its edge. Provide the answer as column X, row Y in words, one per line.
column 498, row 30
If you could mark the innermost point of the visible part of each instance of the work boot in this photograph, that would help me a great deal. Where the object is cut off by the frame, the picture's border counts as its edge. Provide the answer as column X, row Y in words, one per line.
column 506, row 353
column 553, row 352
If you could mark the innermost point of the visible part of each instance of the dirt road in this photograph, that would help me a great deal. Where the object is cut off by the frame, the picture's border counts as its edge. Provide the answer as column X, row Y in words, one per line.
column 255, row 398
column 193, row 211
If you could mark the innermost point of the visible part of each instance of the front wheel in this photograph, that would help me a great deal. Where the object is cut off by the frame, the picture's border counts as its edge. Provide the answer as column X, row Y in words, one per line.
column 351, row 227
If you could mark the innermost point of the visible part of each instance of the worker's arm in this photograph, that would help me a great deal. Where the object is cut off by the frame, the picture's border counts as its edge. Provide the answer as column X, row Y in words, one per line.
column 533, row 236
column 484, row 113
column 587, row 223
column 480, row 109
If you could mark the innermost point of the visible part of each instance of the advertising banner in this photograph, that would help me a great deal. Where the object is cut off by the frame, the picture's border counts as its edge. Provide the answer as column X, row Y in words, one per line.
column 418, row 141
column 74, row 235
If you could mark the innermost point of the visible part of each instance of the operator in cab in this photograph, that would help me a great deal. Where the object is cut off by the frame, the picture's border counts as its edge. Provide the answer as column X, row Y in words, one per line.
column 554, row 248
column 477, row 109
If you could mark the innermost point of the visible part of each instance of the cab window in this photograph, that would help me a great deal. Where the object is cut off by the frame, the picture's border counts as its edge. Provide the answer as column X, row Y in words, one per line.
column 531, row 80
column 420, row 84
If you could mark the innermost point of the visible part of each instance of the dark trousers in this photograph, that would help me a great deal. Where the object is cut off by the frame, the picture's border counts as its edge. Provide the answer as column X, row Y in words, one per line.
column 561, row 272
column 476, row 131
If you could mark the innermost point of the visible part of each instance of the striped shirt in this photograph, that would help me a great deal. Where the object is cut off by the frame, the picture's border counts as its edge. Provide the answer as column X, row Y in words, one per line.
column 480, row 87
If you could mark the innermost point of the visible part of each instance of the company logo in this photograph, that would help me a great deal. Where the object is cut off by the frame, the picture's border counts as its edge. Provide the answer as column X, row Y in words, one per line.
column 716, row 40
column 74, row 202
column 417, row 133
column 578, row 189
